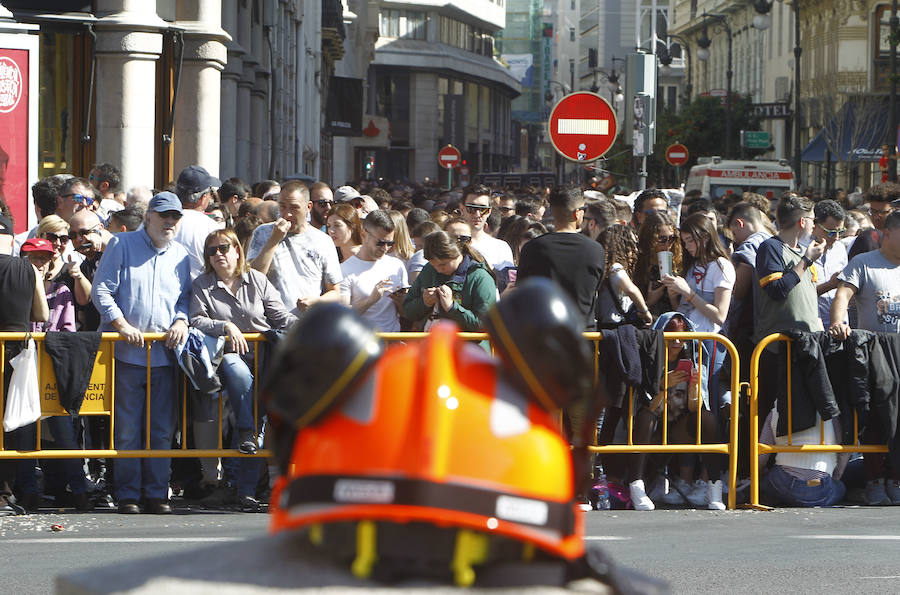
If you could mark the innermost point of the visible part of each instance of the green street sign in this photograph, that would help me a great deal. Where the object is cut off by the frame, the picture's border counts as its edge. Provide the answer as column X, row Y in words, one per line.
column 753, row 139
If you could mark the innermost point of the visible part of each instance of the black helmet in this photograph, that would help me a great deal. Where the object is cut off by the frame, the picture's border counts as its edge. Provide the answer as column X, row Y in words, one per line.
column 536, row 331
column 314, row 367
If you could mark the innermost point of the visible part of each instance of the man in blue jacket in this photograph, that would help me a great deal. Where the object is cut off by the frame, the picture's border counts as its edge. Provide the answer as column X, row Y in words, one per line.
column 142, row 285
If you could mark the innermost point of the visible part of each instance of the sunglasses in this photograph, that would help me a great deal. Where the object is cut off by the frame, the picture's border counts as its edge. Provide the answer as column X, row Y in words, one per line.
column 477, row 208
column 170, row 215
column 221, row 249
column 327, row 203
column 507, row 209
column 651, row 211
column 383, row 243
column 216, row 218
column 85, row 232
column 463, row 239
column 666, row 239
column 832, row 233
column 61, row 238
column 79, row 198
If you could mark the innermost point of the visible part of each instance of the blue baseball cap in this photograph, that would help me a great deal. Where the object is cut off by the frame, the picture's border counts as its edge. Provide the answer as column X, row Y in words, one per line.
column 165, row 201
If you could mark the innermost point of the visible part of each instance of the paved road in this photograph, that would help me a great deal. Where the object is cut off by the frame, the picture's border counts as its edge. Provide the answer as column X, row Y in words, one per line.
column 843, row 550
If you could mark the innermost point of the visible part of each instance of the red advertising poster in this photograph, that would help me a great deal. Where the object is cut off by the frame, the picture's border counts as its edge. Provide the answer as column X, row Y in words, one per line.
column 14, row 133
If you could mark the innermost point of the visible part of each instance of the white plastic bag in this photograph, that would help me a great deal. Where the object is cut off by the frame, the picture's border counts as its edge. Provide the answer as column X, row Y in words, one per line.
column 23, row 399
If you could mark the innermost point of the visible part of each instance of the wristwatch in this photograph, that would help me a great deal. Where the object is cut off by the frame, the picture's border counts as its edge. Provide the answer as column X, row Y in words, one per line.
column 807, row 260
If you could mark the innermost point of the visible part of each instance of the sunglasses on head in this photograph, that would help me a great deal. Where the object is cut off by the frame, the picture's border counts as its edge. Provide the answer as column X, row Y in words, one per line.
column 478, row 208
column 80, row 198
column 61, row 238
column 221, row 249
column 383, row 243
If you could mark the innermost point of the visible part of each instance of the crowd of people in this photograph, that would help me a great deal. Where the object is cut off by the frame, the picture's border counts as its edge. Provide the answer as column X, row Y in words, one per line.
column 205, row 262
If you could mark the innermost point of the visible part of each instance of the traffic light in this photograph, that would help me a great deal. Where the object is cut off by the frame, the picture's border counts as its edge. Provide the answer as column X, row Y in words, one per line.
column 370, row 164
column 592, row 58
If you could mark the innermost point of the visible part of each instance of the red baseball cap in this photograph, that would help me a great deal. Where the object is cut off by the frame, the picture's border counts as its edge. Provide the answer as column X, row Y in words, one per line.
column 37, row 245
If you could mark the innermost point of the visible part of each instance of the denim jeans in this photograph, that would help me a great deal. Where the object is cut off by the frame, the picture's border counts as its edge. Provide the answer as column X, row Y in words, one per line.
column 238, row 380
column 131, row 408
column 783, row 487
column 57, row 473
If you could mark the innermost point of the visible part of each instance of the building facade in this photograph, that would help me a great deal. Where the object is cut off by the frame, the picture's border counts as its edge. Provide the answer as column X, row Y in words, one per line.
column 435, row 81
column 151, row 87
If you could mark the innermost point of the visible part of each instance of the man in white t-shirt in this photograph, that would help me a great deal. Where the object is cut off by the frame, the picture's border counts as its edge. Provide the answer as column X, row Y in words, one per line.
column 194, row 188
column 873, row 278
column 374, row 282
column 300, row 261
column 476, row 208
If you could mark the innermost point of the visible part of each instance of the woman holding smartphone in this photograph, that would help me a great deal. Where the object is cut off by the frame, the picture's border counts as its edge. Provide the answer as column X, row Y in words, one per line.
column 683, row 394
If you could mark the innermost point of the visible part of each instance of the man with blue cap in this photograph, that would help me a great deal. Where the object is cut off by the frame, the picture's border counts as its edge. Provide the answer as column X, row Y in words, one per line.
column 143, row 285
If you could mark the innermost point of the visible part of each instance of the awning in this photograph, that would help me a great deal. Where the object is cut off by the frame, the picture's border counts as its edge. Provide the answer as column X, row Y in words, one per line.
column 856, row 133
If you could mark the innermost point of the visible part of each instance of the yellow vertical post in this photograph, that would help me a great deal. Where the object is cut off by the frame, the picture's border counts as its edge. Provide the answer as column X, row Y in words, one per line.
column 147, row 425
column 790, row 407
column 256, row 385
column 112, row 395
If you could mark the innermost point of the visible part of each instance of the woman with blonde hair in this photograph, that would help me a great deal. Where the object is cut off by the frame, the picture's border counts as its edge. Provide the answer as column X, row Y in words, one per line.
column 230, row 299
column 403, row 244
column 344, row 228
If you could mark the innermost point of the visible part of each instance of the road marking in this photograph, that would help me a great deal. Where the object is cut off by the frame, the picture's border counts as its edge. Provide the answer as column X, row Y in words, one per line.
column 851, row 537
column 582, row 126
column 51, row 539
column 605, row 538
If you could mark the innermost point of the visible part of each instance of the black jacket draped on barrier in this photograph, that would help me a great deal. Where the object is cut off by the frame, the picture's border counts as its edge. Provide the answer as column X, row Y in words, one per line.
column 72, row 356
column 631, row 357
column 831, row 378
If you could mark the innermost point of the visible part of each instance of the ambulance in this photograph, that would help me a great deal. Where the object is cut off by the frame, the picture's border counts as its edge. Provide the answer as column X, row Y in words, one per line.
column 716, row 177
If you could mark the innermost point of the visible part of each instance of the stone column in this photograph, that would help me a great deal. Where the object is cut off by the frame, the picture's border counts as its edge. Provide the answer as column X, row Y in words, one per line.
column 198, row 107
column 259, row 129
column 245, row 84
column 229, row 102
column 129, row 41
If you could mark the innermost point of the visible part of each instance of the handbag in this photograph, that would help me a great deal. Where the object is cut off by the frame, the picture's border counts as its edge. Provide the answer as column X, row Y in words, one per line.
column 23, row 399
column 632, row 316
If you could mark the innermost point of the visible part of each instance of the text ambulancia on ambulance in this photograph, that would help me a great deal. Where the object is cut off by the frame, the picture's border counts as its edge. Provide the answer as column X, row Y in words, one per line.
column 716, row 177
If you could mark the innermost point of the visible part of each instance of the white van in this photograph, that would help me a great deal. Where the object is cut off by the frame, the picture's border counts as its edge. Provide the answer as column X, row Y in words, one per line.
column 716, row 177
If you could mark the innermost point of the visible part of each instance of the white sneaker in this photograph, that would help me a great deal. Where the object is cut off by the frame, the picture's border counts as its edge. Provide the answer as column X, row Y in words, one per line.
column 714, row 495
column 672, row 496
column 639, row 498
column 697, row 494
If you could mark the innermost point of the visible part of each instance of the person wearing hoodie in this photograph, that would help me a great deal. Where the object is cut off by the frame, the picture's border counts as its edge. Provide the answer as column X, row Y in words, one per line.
column 677, row 404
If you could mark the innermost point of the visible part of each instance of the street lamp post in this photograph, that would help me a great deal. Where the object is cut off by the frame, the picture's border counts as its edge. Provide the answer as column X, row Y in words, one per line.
column 761, row 21
column 703, row 54
column 665, row 58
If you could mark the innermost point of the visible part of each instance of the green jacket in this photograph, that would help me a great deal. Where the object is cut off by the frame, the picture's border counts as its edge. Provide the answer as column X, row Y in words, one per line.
column 474, row 292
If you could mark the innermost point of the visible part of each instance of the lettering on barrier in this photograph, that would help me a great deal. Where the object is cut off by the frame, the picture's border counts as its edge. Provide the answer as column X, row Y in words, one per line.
column 97, row 397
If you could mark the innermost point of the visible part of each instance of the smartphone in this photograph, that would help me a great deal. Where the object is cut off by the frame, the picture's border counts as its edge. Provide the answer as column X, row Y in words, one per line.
column 401, row 291
column 686, row 365
column 513, row 275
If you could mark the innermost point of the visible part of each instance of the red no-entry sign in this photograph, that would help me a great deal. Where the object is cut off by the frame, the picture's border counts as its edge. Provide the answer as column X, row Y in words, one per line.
column 449, row 157
column 677, row 155
column 582, row 126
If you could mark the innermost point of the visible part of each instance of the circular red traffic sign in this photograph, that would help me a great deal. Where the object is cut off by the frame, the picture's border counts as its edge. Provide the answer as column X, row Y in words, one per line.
column 449, row 157
column 582, row 126
column 677, row 154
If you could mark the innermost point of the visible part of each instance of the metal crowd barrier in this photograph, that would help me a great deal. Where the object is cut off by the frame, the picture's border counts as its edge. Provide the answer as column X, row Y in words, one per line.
column 729, row 448
column 757, row 448
column 100, row 400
